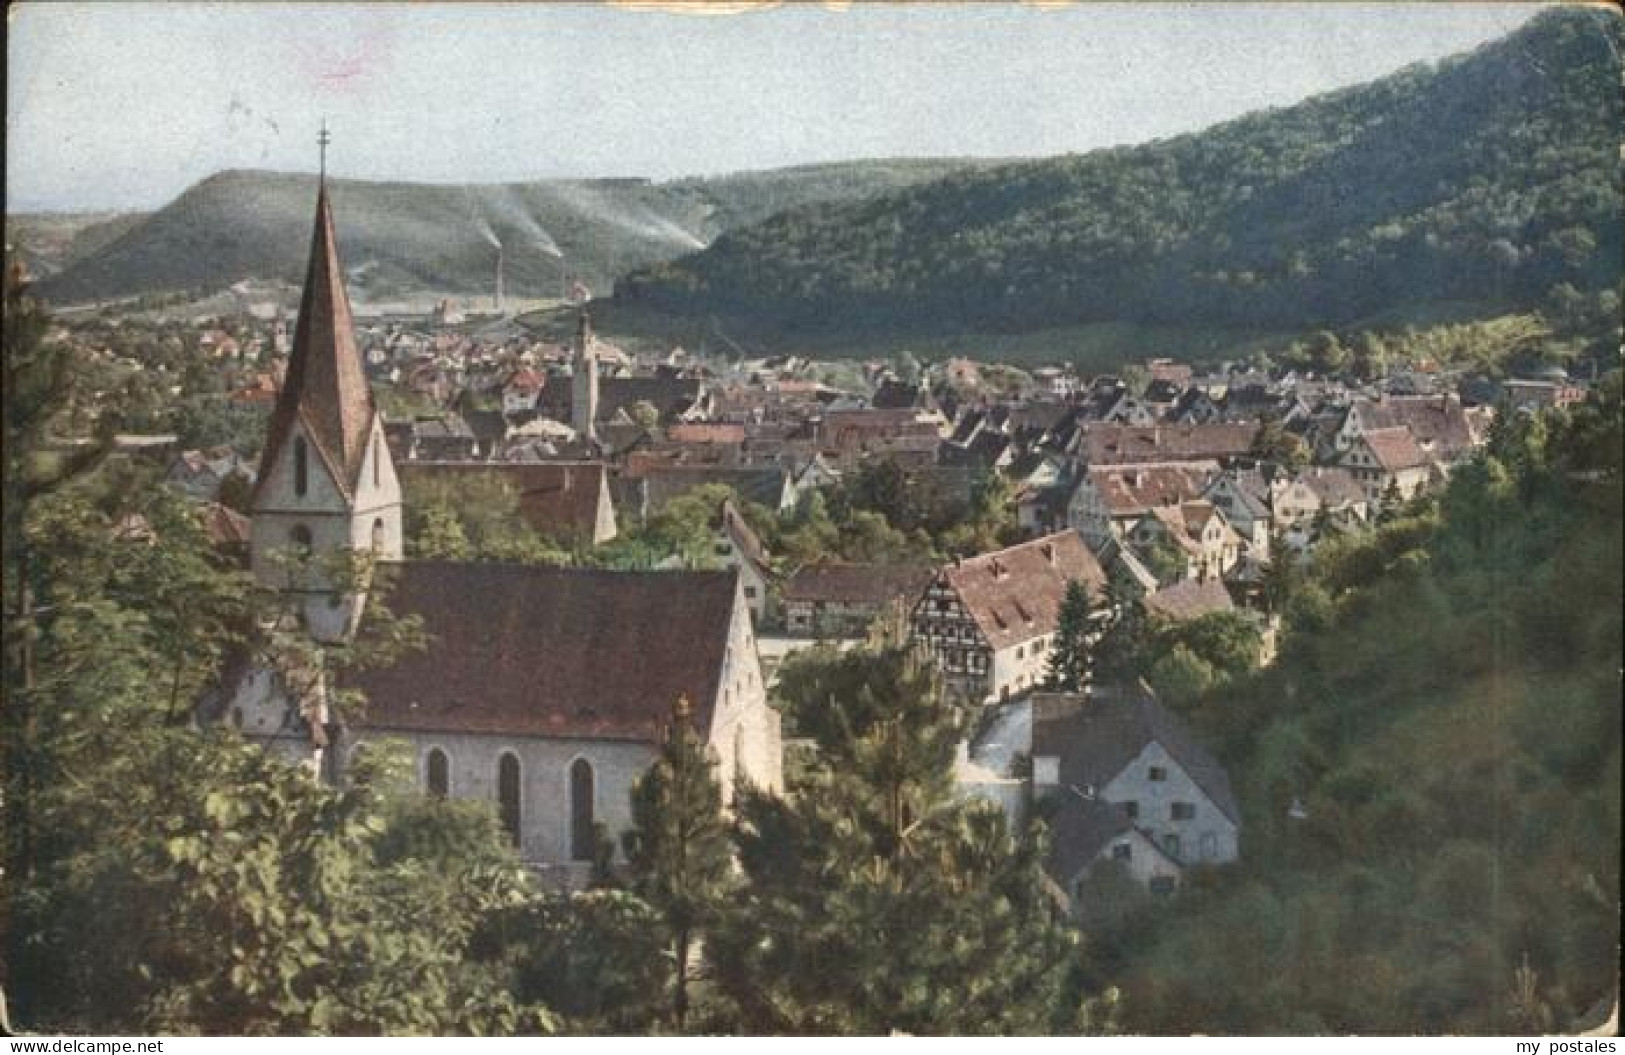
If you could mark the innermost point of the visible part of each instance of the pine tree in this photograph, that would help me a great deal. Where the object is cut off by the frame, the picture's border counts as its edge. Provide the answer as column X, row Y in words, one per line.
column 1069, row 657
column 678, row 847
column 876, row 900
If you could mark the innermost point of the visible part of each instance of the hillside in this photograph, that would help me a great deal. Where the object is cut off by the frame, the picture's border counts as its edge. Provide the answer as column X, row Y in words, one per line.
column 1491, row 177
column 48, row 242
column 1429, row 774
column 402, row 239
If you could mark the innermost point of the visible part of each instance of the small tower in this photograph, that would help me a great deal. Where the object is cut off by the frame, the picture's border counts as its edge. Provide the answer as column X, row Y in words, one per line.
column 584, row 381
column 326, row 482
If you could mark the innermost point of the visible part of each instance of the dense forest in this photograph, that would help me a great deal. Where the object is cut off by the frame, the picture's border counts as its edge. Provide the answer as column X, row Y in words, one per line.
column 1429, row 772
column 1489, row 178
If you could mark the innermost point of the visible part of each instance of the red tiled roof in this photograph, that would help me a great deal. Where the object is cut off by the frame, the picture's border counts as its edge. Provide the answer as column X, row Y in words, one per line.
column 1395, row 449
column 1015, row 594
column 558, row 498
column 873, row 584
column 521, row 650
column 1128, row 444
column 1437, row 421
column 1190, row 599
column 1136, row 489
column 325, row 388
column 225, row 526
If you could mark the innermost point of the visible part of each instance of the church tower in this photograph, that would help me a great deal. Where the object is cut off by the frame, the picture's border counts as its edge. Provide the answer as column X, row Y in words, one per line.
column 584, row 382
column 326, row 482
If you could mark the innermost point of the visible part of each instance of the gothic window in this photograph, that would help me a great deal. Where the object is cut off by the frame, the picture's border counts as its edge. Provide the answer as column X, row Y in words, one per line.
column 378, row 535
column 299, row 535
column 377, row 465
column 301, row 467
column 436, row 775
column 581, row 835
column 508, row 795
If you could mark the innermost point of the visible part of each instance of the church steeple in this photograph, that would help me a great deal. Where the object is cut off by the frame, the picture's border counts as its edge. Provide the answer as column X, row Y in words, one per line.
column 325, row 387
column 327, row 484
column 584, row 381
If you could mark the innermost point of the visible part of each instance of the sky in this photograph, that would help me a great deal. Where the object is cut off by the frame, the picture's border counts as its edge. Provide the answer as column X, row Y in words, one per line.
column 124, row 105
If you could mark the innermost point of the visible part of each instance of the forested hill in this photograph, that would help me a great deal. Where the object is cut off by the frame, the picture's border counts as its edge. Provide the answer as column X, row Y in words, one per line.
column 1429, row 773
column 1490, row 177
column 402, row 239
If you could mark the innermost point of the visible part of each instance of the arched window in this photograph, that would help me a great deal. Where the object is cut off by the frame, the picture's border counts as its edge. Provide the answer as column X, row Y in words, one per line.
column 378, row 535
column 301, row 467
column 508, row 795
column 299, row 535
column 741, row 777
column 377, row 464
column 435, row 772
column 581, row 835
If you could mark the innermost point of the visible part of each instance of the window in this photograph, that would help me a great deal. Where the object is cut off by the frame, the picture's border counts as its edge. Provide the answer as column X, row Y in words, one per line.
column 1170, row 842
column 299, row 535
column 1162, row 884
column 378, row 535
column 301, row 467
column 1131, row 809
column 436, row 778
column 508, row 795
column 1156, row 773
column 1122, row 852
column 1182, row 811
column 377, row 465
column 750, row 592
column 581, row 833
column 1210, row 846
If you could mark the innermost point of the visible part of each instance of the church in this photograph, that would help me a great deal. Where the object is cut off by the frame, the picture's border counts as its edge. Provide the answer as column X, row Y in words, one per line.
column 544, row 691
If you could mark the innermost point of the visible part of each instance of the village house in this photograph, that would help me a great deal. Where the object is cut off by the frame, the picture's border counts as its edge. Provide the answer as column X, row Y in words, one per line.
column 1223, row 442
column 1244, row 496
column 737, row 546
column 990, row 620
column 521, row 391
column 199, row 473
column 1167, row 801
column 524, row 695
column 1108, row 501
column 1188, row 599
column 1389, row 462
column 842, row 600
column 1197, row 531
column 565, row 501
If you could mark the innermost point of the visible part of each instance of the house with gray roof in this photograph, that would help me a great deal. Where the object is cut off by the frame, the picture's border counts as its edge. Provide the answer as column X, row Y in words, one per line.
column 1115, row 769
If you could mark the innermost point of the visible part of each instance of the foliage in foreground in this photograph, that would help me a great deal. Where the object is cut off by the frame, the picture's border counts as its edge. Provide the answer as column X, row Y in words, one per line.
column 1446, row 711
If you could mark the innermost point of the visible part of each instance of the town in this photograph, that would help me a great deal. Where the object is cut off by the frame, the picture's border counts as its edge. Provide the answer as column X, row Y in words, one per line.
column 501, row 663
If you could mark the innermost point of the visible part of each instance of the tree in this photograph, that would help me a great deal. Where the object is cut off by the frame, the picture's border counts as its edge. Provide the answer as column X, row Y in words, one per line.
column 678, row 847
column 1273, row 443
column 875, row 865
column 1069, row 654
column 645, row 414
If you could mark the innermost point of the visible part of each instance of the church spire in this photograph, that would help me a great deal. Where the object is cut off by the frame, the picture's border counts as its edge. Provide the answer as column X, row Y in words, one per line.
column 325, row 388
column 584, row 381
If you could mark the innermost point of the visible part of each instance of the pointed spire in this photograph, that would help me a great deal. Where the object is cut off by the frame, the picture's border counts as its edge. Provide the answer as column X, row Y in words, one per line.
column 325, row 387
